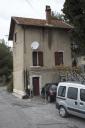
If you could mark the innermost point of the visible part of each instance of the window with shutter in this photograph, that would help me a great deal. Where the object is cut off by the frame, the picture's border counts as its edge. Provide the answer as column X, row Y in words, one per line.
column 37, row 58
column 61, row 57
column 40, row 58
column 58, row 58
column 34, row 56
column 15, row 37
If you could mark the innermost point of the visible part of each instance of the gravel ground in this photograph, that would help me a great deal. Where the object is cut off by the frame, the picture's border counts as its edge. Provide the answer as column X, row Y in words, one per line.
column 32, row 113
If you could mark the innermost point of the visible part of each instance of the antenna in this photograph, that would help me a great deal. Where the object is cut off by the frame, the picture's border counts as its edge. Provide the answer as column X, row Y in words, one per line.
column 34, row 45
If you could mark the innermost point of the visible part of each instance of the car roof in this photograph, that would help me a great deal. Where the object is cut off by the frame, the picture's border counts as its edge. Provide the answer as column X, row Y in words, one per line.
column 71, row 84
column 51, row 83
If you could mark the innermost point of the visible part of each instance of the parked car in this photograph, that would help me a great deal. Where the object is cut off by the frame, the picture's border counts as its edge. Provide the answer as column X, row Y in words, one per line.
column 49, row 91
column 70, row 99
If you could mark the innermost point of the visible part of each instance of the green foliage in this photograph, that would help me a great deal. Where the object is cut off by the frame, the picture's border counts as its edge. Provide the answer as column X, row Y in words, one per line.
column 10, row 86
column 6, row 64
column 58, row 16
column 74, row 11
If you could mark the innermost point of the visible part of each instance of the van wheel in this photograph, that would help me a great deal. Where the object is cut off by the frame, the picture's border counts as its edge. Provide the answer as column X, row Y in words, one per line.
column 62, row 112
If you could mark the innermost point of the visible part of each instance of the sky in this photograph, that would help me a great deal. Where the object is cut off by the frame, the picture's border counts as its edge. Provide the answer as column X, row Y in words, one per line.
column 24, row 8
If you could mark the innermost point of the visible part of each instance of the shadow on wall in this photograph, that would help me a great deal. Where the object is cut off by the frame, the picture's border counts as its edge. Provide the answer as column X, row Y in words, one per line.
column 2, row 80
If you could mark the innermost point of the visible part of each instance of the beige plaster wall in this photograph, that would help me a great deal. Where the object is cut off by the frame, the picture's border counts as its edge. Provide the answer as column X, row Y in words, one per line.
column 18, row 59
column 60, row 41
column 44, row 77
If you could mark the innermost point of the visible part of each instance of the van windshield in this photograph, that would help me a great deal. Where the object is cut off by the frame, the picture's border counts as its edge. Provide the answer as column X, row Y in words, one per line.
column 61, row 91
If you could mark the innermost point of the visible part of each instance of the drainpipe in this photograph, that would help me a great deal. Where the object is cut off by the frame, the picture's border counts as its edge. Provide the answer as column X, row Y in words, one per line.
column 25, row 69
column 24, row 59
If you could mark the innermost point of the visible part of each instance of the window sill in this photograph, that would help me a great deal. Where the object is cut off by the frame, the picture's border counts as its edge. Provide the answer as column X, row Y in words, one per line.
column 35, row 66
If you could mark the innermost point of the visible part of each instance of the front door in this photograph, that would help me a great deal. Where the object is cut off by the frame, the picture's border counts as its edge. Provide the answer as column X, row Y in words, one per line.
column 72, row 100
column 36, row 86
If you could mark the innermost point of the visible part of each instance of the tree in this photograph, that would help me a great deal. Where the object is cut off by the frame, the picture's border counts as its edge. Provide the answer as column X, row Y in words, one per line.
column 58, row 16
column 6, row 65
column 74, row 11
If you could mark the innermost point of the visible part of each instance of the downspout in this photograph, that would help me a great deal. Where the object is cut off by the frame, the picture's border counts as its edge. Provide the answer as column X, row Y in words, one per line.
column 24, row 41
column 24, row 72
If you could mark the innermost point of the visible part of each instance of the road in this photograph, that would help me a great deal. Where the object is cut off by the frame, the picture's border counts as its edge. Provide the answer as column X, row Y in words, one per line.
column 34, row 113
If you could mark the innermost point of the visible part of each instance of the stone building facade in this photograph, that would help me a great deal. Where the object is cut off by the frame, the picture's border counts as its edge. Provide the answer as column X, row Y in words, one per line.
column 36, row 67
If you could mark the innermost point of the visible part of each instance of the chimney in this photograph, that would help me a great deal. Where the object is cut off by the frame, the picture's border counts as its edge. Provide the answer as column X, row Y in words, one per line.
column 48, row 13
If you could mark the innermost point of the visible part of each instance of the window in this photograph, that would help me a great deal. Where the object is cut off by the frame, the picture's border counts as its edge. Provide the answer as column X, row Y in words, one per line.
column 53, row 87
column 58, row 58
column 34, row 58
column 82, row 94
column 37, row 58
column 61, row 91
column 40, row 58
column 15, row 37
column 72, row 93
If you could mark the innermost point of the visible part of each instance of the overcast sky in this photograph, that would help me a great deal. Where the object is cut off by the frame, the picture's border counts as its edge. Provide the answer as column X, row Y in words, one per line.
column 24, row 8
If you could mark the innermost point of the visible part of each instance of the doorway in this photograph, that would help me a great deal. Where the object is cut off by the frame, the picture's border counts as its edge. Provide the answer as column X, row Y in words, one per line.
column 35, row 86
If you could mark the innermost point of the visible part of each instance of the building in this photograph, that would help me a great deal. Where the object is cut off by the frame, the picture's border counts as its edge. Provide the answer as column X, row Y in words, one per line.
column 39, row 48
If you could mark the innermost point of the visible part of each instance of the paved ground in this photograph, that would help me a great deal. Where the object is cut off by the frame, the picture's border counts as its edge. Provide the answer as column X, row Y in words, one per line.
column 18, row 113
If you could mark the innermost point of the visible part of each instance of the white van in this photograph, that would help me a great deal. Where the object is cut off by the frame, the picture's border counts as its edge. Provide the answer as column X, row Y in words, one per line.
column 70, row 99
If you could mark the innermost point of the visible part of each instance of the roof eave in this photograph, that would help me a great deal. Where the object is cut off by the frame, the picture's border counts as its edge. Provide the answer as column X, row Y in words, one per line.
column 11, row 31
column 47, row 26
column 13, row 21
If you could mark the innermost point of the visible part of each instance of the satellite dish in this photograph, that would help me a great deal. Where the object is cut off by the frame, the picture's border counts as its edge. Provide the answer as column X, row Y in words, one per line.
column 35, row 45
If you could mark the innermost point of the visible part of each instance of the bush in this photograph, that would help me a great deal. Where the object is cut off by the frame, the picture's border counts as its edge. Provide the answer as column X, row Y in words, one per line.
column 10, row 86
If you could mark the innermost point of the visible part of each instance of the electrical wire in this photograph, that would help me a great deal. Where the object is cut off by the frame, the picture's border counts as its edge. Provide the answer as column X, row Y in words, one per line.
column 29, row 3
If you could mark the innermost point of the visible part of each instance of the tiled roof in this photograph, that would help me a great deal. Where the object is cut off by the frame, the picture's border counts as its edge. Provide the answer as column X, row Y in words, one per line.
column 28, row 21
column 36, row 22
column 41, row 22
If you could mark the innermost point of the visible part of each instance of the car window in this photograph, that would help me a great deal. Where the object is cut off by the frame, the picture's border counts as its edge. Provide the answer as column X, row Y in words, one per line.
column 47, row 87
column 53, row 87
column 82, row 94
column 72, row 93
column 61, row 91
